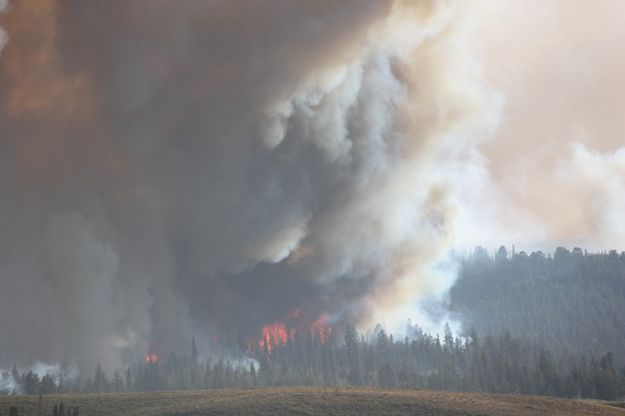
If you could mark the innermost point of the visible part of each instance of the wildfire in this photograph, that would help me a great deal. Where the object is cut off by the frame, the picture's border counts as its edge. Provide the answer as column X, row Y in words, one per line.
column 321, row 328
column 275, row 334
column 279, row 333
column 150, row 358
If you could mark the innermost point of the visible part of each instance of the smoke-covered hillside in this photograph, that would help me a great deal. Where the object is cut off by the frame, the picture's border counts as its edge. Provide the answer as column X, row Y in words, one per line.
column 571, row 300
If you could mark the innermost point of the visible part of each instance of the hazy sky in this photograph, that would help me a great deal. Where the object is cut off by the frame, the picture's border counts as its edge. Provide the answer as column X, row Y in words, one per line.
column 559, row 65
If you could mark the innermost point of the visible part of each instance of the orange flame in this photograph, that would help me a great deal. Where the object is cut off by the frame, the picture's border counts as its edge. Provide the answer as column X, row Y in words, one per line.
column 274, row 334
column 150, row 358
column 278, row 333
column 320, row 328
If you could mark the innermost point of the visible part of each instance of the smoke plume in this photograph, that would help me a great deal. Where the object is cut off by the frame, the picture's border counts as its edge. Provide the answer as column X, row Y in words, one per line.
column 207, row 167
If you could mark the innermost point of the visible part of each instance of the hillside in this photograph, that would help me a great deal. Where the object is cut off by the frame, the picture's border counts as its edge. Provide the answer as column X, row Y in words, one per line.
column 310, row 401
column 571, row 300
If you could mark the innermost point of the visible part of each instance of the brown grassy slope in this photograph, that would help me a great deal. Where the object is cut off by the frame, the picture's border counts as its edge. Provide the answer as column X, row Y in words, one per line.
column 311, row 401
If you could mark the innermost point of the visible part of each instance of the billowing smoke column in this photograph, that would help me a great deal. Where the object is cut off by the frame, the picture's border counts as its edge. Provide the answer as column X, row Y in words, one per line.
column 207, row 167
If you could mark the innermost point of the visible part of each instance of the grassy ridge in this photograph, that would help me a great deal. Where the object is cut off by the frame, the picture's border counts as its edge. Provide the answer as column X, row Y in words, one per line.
column 310, row 402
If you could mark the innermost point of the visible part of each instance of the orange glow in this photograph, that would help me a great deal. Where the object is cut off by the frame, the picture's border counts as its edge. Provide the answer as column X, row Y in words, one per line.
column 274, row 334
column 151, row 358
column 319, row 327
column 279, row 333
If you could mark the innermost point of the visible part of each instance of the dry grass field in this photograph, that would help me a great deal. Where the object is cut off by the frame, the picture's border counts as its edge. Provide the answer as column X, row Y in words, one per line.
column 311, row 401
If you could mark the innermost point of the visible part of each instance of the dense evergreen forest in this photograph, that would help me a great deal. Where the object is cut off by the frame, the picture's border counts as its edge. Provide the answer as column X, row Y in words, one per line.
column 496, row 363
column 572, row 301
column 547, row 325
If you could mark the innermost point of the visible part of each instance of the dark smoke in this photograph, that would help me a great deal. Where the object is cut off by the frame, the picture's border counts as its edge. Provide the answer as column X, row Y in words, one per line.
column 169, row 168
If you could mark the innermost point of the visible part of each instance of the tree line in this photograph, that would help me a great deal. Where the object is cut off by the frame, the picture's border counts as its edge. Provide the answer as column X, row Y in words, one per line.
column 500, row 363
column 569, row 300
column 547, row 324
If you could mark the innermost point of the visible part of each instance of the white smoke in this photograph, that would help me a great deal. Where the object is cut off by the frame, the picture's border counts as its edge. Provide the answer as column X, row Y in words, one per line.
column 59, row 374
column 596, row 181
column 10, row 385
column 554, row 159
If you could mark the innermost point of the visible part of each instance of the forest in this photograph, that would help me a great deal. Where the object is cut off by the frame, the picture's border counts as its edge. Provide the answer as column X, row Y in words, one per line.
column 495, row 363
column 571, row 300
column 538, row 324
